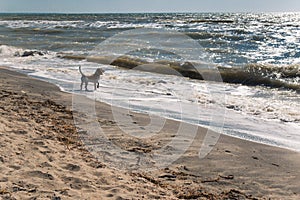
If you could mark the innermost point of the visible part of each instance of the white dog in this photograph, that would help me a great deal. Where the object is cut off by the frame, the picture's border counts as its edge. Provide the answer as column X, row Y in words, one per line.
column 94, row 78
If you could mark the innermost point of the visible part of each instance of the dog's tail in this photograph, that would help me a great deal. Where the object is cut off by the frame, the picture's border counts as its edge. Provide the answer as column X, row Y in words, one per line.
column 80, row 71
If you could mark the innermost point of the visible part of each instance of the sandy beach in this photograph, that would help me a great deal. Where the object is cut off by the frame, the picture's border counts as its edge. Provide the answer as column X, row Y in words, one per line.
column 42, row 157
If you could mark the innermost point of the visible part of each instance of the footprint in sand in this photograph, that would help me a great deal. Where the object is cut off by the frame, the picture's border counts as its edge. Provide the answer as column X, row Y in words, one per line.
column 40, row 174
column 72, row 167
column 76, row 183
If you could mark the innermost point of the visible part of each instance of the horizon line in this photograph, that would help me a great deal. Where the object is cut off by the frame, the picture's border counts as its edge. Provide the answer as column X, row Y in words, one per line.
column 158, row 12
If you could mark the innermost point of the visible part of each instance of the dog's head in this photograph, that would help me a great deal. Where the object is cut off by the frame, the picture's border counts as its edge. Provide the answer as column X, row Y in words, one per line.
column 99, row 71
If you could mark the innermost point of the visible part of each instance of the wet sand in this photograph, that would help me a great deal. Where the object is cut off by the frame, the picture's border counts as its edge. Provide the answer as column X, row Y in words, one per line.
column 42, row 156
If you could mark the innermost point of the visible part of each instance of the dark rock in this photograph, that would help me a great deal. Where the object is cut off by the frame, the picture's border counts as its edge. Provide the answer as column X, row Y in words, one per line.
column 31, row 53
column 255, row 158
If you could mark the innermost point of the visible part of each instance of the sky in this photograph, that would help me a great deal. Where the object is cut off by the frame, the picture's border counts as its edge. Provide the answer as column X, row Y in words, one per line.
column 128, row 6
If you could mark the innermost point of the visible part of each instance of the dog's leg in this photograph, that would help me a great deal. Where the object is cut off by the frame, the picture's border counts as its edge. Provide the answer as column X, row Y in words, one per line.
column 95, row 86
column 81, row 85
column 86, row 84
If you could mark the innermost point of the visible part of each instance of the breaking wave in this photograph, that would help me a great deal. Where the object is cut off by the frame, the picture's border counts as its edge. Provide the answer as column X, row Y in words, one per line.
column 287, row 77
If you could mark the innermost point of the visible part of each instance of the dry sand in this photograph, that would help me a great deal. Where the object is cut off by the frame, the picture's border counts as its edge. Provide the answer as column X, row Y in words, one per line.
column 42, row 157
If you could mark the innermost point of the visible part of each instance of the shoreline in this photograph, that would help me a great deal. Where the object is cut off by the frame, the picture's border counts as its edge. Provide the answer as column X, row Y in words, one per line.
column 172, row 119
column 45, row 155
column 268, row 142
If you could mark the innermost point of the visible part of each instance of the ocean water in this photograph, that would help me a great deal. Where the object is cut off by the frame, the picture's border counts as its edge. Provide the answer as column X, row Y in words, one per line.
column 257, row 55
